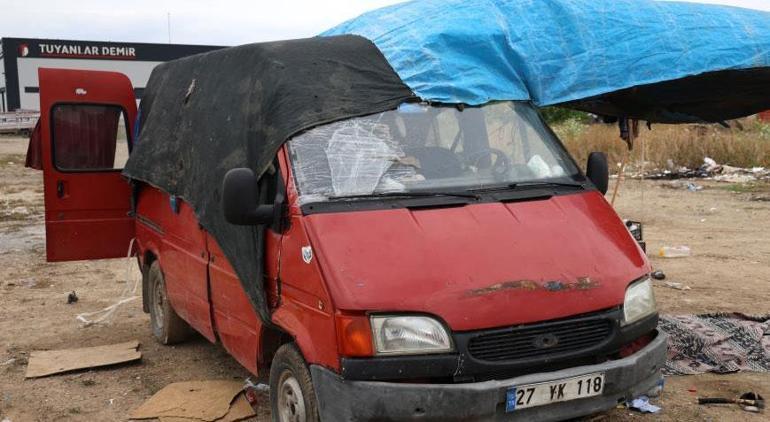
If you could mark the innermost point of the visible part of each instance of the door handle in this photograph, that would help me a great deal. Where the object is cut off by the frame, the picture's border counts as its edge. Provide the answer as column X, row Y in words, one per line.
column 60, row 189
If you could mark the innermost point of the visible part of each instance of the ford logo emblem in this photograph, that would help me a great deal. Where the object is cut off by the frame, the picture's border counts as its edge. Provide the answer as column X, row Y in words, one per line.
column 546, row 341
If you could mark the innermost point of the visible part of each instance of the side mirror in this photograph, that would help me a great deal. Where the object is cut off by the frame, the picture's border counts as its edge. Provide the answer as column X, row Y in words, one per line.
column 598, row 172
column 240, row 200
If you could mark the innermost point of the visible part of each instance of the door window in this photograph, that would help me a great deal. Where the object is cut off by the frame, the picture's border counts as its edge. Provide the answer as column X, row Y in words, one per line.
column 89, row 137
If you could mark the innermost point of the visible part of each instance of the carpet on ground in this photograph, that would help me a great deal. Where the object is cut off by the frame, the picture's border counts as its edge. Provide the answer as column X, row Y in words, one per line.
column 720, row 343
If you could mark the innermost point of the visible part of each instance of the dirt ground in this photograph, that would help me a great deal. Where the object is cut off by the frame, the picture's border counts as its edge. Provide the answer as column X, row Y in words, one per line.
column 729, row 270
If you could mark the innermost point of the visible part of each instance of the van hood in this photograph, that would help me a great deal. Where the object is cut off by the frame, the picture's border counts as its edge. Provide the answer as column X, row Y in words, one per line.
column 482, row 265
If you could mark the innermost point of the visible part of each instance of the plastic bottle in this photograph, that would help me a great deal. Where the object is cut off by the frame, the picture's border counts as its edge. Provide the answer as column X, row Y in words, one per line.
column 674, row 251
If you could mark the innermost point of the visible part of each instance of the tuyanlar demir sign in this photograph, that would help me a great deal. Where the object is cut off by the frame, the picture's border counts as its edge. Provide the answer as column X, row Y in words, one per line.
column 81, row 51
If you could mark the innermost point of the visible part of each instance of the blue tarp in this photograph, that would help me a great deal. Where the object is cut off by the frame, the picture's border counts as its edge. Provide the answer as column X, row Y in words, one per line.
column 556, row 51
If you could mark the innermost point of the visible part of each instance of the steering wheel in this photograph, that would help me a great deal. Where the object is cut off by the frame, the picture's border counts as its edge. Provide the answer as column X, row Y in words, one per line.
column 501, row 165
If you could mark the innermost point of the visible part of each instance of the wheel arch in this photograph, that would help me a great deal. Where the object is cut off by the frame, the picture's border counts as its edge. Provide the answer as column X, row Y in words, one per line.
column 270, row 340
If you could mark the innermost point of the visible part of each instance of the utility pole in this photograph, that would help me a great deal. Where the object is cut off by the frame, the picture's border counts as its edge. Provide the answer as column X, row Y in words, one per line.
column 168, row 21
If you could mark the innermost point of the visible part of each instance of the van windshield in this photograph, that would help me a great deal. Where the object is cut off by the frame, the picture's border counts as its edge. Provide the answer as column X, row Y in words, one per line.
column 424, row 148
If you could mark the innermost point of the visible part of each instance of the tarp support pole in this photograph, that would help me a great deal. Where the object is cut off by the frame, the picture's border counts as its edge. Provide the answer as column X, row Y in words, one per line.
column 629, row 131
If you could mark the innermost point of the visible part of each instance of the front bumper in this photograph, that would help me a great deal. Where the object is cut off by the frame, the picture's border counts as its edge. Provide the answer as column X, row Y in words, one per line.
column 344, row 400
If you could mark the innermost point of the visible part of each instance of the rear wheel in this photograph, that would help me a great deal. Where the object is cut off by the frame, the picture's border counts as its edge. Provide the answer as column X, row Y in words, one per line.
column 167, row 326
column 292, row 397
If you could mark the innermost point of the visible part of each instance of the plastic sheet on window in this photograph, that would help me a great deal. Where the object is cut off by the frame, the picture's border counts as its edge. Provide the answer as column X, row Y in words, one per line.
column 353, row 157
column 359, row 154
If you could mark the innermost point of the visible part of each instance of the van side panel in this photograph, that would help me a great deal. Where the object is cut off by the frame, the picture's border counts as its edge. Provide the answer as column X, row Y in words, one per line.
column 306, row 309
column 236, row 322
column 183, row 255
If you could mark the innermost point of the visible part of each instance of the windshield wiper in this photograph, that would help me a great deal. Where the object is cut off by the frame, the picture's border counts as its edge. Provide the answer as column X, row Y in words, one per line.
column 530, row 185
column 418, row 194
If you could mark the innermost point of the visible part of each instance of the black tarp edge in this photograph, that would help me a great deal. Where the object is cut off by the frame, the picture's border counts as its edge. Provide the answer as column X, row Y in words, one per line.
column 709, row 97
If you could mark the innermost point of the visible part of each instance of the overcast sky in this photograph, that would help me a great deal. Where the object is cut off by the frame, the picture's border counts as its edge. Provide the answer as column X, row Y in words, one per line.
column 223, row 22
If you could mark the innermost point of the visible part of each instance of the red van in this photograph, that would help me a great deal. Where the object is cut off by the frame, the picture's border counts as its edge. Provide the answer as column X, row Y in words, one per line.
column 427, row 261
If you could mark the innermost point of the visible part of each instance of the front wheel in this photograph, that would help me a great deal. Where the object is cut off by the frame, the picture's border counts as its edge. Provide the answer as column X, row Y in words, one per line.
column 167, row 326
column 292, row 398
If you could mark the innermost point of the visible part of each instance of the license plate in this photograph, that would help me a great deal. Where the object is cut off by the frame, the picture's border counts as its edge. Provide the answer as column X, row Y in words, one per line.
column 531, row 395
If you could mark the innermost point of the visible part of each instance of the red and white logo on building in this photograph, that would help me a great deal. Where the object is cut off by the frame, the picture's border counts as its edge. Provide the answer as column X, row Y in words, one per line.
column 23, row 50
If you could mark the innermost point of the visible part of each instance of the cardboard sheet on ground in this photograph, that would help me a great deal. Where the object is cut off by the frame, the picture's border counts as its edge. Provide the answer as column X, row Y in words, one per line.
column 49, row 362
column 203, row 400
column 240, row 409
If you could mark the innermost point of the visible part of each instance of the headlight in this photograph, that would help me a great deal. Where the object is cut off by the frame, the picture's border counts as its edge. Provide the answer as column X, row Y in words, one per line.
column 404, row 335
column 639, row 301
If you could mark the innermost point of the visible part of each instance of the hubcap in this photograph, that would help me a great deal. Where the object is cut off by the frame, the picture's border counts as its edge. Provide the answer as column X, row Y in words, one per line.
column 291, row 404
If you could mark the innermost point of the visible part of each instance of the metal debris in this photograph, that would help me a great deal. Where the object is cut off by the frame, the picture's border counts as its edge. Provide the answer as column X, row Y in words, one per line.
column 72, row 297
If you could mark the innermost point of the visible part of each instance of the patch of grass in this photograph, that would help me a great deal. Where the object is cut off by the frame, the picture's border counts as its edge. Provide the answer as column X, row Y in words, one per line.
column 554, row 115
column 570, row 128
column 684, row 145
column 747, row 187
column 763, row 128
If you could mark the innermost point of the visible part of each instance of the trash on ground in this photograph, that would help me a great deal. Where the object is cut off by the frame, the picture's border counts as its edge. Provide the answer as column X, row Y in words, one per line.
column 251, row 390
column 642, row 404
column 720, row 343
column 710, row 169
column 658, row 275
column 129, row 294
column 197, row 400
column 692, row 187
column 676, row 286
column 29, row 283
column 72, row 297
column 681, row 184
column 49, row 362
column 742, row 175
column 710, row 166
column 674, row 251
column 256, row 386
column 750, row 402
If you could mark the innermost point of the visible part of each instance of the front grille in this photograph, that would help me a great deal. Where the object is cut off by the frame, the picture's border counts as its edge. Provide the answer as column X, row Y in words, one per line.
column 539, row 340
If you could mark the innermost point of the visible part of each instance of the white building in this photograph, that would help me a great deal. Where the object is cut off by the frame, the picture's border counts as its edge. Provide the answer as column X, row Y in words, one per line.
column 22, row 57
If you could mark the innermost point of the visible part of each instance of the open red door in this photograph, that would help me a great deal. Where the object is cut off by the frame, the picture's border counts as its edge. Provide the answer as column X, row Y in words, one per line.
column 85, row 121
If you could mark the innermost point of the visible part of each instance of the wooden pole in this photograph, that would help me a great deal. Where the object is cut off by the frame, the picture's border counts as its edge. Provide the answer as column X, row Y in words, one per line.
column 632, row 127
column 620, row 177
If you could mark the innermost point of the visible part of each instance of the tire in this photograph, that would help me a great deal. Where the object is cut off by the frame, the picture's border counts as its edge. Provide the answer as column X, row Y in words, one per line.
column 167, row 326
column 292, row 397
